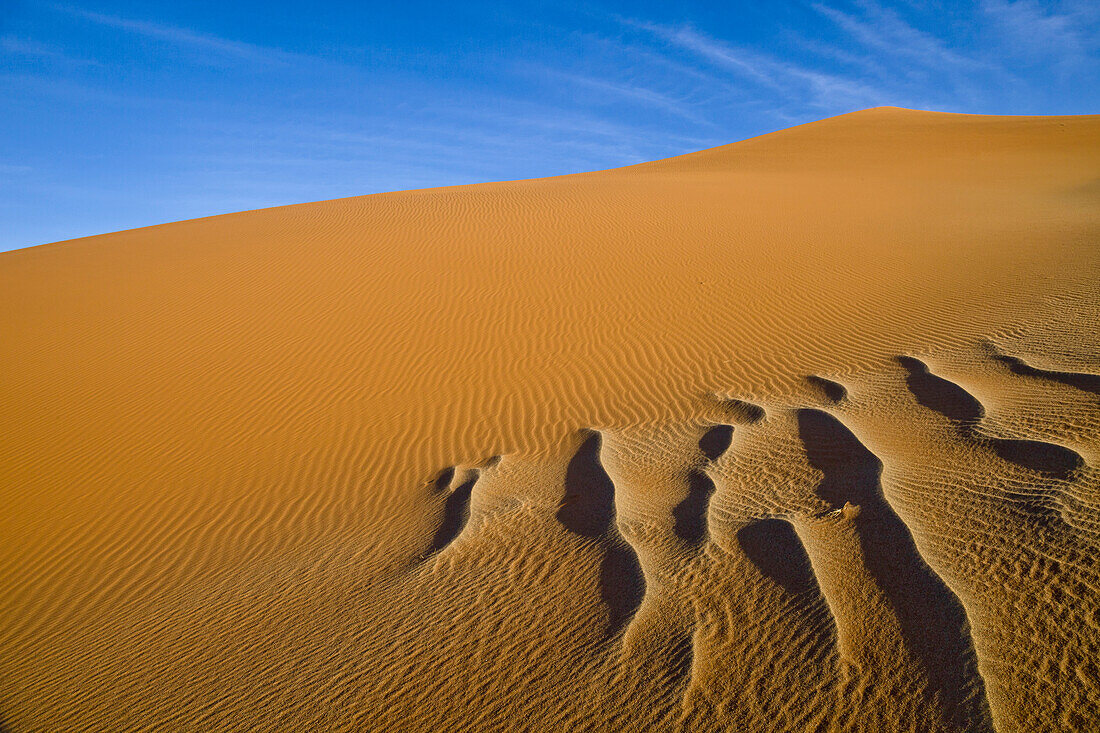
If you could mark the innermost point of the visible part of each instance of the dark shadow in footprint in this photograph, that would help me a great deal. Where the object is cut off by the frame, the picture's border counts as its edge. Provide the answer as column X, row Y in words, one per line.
column 622, row 585
column 690, row 515
column 851, row 472
column 833, row 391
column 1081, row 381
column 716, row 441
column 1053, row 460
column 951, row 400
column 932, row 620
column 773, row 546
column 456, row 512
column 442, row 482
column 588, row 509
column 946, row 398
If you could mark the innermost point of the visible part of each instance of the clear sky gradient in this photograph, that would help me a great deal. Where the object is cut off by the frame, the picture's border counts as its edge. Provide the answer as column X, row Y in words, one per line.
column 122, row 114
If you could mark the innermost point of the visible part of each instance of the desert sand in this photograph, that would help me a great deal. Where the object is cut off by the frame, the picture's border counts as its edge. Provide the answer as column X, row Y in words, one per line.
column 798, row 433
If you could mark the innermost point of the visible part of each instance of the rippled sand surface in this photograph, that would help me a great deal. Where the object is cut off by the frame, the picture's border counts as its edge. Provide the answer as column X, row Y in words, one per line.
column 799, row 433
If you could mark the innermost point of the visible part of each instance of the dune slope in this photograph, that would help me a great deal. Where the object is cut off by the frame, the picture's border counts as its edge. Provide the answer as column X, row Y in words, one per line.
column 799, row 433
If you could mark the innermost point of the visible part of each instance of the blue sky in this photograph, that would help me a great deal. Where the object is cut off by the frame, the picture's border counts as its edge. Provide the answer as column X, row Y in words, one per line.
column 122, row 114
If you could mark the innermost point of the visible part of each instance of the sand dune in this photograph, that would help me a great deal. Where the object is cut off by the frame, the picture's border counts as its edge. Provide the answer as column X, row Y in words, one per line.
column 799, row 433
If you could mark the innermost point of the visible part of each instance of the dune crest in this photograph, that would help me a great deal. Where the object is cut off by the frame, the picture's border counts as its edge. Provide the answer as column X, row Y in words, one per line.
column 796, row 433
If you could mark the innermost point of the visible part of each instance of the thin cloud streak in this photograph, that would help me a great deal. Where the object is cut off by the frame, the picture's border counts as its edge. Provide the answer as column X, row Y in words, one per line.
column 885, row 31
column 188, row 38
column 787, row 80
column 1071, row 35
column 643, row 95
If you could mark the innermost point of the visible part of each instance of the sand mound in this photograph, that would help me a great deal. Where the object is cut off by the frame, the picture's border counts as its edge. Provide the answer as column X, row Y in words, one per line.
column 796, row 433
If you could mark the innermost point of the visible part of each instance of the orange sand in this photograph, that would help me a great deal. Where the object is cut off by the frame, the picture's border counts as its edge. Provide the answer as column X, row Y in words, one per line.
column 799, row 433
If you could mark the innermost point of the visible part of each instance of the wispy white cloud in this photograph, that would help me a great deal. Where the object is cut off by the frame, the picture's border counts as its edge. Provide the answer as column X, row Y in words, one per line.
column 630, row 92
column 1067, row 31
column 747, row 63
column 886, row 32
column 642, row 59
column 792, row 82
column 186, row 38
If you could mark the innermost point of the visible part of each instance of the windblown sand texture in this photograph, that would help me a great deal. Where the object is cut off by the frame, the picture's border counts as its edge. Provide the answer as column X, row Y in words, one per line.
column 799, row 433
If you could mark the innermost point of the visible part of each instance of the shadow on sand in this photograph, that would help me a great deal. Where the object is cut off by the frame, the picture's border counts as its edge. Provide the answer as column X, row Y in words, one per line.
column 932, row 620
column 588, row 509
